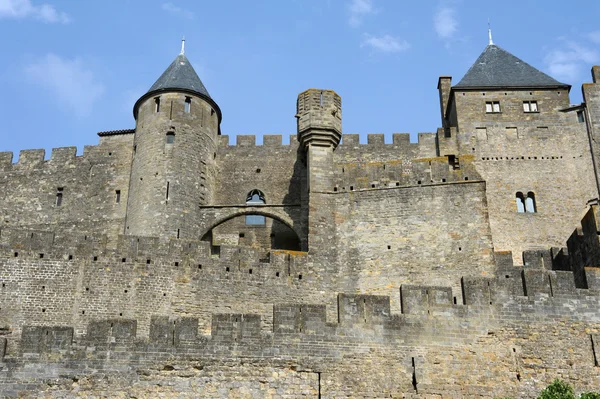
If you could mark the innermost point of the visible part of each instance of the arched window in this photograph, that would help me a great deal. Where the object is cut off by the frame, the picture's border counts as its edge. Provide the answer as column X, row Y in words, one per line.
column 520, row 203
column 530, row 203
column 255, row 197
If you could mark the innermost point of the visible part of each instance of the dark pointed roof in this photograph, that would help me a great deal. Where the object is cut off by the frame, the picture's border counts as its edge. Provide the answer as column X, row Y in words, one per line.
column 497, row 68
column 180, row 75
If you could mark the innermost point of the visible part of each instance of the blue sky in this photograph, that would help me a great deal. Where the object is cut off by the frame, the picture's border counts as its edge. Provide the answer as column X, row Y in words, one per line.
column 72, row 68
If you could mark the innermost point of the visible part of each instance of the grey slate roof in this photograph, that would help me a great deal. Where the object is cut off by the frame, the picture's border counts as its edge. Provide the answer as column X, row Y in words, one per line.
column 180, row 75
column 116, row 132
column 496, row 67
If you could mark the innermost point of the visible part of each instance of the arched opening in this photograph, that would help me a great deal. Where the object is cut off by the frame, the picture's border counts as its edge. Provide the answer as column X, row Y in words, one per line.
column 272, row 234
column 255, row 197
column 520, row 203
column 530, row 205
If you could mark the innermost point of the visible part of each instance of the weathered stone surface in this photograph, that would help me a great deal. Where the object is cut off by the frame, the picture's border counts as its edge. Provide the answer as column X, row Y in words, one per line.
column 381, row 269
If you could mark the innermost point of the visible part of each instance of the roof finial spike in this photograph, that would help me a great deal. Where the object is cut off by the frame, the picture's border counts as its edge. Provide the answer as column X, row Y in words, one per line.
column 490, row 32
column 183, row 45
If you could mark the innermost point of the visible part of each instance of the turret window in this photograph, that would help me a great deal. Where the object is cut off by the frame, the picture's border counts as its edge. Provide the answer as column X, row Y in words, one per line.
column 255, row 197
column 530, row 106
column 157, row 104
column 59, row 196
column 170, row 137
column 492, row 107
column 188, row 104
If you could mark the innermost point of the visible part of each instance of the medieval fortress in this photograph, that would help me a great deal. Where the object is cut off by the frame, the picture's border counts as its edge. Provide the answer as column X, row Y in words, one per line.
column 164, row 262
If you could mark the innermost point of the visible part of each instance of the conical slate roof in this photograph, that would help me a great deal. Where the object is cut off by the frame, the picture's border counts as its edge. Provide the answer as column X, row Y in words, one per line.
column 496, row 67
column 180, row 75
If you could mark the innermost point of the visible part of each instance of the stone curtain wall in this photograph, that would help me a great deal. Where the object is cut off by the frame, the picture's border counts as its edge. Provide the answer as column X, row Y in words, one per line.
column 69, row 280
column 386, row 237
column 89, row 183
column 488, row 347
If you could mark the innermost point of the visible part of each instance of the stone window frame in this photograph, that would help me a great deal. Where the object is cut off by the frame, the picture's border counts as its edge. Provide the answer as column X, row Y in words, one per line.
column 493, row 107
column 530, row 107
column 526, row 203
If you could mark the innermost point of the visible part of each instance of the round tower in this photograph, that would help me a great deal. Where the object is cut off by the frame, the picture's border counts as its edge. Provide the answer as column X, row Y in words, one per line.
column 173, row 170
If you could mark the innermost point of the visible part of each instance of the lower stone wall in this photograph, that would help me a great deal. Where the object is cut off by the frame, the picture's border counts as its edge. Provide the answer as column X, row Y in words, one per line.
column 513, row 345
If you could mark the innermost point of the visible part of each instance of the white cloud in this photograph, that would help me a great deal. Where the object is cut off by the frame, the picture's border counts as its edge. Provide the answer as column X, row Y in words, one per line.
column 445, row 23
column 594, row 36
column 74, row 85
column 358, row 10
column 173, row 9
column 568, row 62
column 385, row 43
column 20, row 9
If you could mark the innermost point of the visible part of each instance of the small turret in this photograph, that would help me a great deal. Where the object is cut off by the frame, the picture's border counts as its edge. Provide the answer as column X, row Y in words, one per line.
column 173, row 171
column 319, row 114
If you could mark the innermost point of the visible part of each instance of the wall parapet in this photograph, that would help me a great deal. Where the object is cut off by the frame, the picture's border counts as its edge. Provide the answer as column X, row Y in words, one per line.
column 428, row 312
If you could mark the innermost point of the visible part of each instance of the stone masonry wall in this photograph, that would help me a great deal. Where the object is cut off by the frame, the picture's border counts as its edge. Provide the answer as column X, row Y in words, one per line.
column 384, row 237
column 546, row 153
column 89, row 186
column 511, row 337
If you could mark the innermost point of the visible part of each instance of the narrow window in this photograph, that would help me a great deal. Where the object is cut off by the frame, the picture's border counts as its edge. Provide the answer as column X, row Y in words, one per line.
column 188, row 104
column 167, row 196
column 530, row 206
column 520, row 203
column 255, row 197
column 580, row 117
column 157, row 104
column 59, row 196
column 170, row 138
column 118, row 196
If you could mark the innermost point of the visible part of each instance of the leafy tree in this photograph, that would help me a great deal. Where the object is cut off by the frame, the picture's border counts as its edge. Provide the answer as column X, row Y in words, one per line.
column 590, row 395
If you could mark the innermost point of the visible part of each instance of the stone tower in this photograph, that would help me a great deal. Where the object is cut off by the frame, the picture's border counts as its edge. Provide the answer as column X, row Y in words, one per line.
column 173, row 170
column 319, row 116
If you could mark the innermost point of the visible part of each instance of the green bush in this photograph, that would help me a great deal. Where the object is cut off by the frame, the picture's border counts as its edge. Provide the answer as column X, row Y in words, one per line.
column 558, row 390
column 561, row 390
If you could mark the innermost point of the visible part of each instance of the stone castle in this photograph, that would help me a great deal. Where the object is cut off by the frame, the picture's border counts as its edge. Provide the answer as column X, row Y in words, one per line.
column 164, row 262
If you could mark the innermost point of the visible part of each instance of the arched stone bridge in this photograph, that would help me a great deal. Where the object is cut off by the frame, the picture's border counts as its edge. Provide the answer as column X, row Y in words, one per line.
column 290, row 215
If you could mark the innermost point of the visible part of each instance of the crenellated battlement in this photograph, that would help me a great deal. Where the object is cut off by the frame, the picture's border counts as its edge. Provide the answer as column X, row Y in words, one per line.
column 226, row 261
column 427, row 311
column 269, row 140
column 425, row 143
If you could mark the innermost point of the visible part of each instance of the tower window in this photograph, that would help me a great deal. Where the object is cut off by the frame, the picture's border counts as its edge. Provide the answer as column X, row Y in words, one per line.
column 255, row 197
column 520, row 203
column 530, row 106
column 492, row 107
column 59, row 196
column 157, row 104
column 118, row 196
column 530, row 206
column 188, row 104
column 170, row 138
column 580, row 117
column 526, row 204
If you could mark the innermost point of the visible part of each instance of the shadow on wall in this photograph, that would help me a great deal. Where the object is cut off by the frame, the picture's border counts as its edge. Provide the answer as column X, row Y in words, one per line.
column 254, row 230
